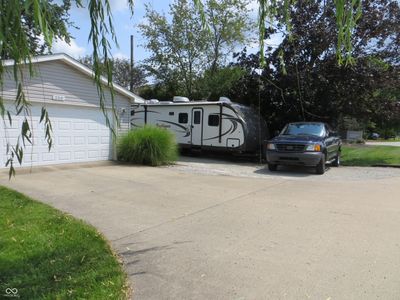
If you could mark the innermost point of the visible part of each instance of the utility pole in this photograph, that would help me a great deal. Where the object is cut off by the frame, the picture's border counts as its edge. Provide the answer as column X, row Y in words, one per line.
column 131, row 67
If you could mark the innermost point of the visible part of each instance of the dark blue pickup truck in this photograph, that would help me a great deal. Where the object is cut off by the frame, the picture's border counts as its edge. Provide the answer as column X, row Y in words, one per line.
column 311, row 144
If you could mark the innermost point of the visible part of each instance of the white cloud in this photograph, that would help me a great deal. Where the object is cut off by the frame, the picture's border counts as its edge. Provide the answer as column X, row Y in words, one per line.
column 253, row 5
column 120, row 55
column 72, row 49
column 118, row 5
column 275, row 39
column 253, row 46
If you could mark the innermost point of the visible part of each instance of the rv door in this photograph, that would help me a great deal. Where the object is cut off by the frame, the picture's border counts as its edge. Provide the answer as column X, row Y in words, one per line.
column 197, row 126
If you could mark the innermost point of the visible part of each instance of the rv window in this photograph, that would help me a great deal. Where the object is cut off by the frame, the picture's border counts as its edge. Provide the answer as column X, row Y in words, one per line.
column 213, row 120
column 183, row 118
column 196, row 117
column 132, row 112
column 171, row 113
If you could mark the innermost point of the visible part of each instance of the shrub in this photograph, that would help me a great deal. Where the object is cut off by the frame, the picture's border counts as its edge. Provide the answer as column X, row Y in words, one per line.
column 149, row 145
column 359, row 141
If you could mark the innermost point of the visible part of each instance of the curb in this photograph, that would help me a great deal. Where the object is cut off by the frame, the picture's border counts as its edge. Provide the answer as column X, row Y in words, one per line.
column 386, row 166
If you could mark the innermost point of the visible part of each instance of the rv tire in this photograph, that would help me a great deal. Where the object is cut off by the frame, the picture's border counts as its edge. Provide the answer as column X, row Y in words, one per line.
column 272, row 167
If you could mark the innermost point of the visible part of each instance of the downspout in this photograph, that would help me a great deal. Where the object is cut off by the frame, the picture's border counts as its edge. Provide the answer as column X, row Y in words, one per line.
column 114, row 154
column 220, row 122
column 145, row 114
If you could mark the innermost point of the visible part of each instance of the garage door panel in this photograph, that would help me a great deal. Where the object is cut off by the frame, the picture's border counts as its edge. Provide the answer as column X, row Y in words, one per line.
column 49, row 156
column 105, row 140
column 79, row 134
column 79, row 140
column 64, row 140
column 31, row 157
column 93, row 140
column 40, row 129
column 11, row 140
column 42, row 141
column 14, row 124
column 79, row 126
column 92, row 126
column 94, row 154
column 64, row 155
column 105, row 153
column 64, row 125
column 34, row 124
column 80, row 155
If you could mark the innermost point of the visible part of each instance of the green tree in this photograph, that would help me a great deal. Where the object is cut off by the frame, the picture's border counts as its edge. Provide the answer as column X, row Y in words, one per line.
column 184, row 49
column 315, row 86
column 121, row 72
column 58, row 16
column 176, row 47
column 229, row 27
column 218, row 82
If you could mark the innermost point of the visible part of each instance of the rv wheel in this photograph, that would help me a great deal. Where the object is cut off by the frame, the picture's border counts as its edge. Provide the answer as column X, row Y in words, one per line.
column 184, row 151
column 272, row 167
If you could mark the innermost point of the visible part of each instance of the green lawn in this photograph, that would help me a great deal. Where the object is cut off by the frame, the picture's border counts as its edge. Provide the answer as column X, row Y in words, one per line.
column 362, row 155
column 46, row 254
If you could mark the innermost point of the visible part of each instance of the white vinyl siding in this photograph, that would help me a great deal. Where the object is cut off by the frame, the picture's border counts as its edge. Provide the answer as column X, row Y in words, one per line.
column 56, row 78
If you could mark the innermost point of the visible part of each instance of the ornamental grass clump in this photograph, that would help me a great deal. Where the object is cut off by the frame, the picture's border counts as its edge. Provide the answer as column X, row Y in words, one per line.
column 149, row 145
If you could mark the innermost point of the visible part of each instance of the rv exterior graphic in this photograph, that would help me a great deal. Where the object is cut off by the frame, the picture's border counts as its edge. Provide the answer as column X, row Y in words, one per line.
column 221, row 125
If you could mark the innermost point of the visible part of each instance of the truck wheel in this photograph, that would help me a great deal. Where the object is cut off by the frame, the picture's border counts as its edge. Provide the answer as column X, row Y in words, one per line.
column 272, row 167
column 321, row 167
column 336, row 162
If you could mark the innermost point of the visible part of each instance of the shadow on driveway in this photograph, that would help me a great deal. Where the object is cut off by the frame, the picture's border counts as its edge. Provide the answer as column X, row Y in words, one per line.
column 290, row 171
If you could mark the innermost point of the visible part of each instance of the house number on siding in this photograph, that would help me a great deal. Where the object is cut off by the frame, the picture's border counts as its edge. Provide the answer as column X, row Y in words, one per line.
column 58, row 97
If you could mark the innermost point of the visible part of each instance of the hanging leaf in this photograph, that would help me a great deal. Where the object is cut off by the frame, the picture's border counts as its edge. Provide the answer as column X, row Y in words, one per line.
column 26, row 132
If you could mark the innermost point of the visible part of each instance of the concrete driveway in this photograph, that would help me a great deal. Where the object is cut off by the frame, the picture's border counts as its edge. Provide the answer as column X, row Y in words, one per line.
column 185, row 235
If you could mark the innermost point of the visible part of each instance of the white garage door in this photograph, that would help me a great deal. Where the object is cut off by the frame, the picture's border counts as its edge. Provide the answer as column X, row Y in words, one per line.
column 79, row 134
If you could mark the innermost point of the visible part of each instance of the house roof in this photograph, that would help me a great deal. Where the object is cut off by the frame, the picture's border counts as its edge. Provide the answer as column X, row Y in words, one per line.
column 82, row 68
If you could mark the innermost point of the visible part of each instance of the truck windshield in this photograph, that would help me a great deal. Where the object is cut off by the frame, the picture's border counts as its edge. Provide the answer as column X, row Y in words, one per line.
column 304, row 129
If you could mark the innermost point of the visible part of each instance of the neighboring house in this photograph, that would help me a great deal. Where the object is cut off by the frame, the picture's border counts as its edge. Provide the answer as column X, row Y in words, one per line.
column 67, row 90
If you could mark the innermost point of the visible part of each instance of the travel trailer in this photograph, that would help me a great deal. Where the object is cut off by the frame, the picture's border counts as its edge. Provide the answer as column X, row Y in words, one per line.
column 220, row 125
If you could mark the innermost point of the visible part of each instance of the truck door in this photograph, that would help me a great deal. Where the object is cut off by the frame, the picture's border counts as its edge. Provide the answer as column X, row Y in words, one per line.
column 331, row 142
column 197, row 126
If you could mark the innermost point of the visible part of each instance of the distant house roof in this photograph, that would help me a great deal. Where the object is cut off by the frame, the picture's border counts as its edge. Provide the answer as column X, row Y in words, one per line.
column 80, row 67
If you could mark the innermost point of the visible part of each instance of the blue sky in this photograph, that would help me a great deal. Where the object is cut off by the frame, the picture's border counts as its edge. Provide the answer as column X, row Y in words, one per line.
column 125, row 24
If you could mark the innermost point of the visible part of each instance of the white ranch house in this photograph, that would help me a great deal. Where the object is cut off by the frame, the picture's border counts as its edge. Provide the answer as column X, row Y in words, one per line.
column 67, row 90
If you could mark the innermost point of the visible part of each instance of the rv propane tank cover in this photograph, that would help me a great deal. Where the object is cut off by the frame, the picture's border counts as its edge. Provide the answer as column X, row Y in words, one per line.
column 224, row 99
column 180, row 99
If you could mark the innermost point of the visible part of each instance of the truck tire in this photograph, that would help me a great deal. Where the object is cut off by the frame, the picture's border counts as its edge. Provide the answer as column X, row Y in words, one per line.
column 272, row 167
column 336, row 162
column 320, row 168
